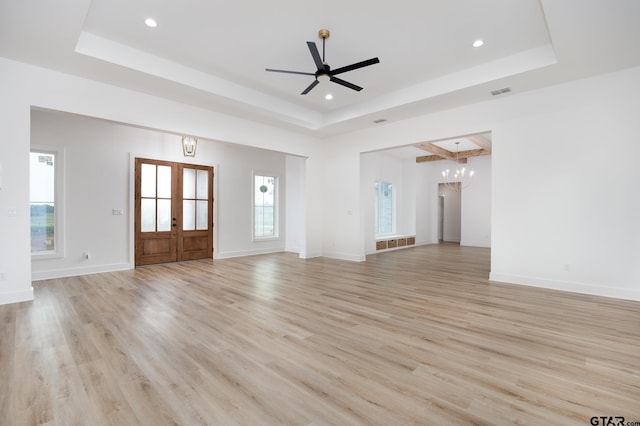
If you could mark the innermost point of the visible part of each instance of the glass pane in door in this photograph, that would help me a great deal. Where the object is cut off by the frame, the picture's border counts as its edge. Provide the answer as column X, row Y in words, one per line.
column 164, row 215
column 202, row 215
column 148, row 214
column 164, row 182
column 148, row 181
column 188, row 183
column 203, row 185
column 188, row 215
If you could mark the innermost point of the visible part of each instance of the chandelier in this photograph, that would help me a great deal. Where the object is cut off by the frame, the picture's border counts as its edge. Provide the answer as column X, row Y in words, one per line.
column 457, row 177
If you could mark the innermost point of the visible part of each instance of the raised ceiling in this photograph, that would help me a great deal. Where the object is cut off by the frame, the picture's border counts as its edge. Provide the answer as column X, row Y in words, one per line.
column 213, row 54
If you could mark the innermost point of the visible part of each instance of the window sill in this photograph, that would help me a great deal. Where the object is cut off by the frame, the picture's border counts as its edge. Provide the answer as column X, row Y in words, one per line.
column 46, row 255
column 392, row 237
column 265, row 239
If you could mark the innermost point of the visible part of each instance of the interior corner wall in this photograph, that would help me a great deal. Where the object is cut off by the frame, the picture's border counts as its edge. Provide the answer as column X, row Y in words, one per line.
column 410, row 186
column 426, row 176
column 15, row 271
column 294, row 212
column 342, row 230
column 314, row 205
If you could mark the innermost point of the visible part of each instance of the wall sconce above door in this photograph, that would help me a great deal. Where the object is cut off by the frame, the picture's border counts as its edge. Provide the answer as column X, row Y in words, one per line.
column 189, row 144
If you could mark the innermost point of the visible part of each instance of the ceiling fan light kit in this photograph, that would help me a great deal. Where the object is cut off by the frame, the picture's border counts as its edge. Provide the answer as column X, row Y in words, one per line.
column 323, row 68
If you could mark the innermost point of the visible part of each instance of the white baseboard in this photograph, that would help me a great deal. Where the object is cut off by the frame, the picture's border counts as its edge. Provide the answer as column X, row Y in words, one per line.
column 574, row 287
column 241, row 253
column 74, row 272
column 475, row 244
column 311, row 255
column 16, row 296
column 345, row 256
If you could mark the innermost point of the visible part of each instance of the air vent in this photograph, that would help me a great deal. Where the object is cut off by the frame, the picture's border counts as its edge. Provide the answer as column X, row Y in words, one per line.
column 380, row 120
column 500, row 91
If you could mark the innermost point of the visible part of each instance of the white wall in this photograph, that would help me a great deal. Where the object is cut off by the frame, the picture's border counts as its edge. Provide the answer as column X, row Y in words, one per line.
column 15, row 237
column 564, row 190
column 98, row 161
column 407, row 214
column 24, row 86
column 343, row 235
column 294, row 172
column 475, row 218
column 235, row 198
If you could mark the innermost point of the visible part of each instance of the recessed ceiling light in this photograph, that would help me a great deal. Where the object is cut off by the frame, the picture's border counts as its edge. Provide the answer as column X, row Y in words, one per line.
column 478, row 43
column 150, row 22
column 328, row 96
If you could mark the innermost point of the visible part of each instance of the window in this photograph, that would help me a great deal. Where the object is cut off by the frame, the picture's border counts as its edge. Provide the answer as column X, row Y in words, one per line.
column 385, row 200
column 265, row 206
column 45, row 211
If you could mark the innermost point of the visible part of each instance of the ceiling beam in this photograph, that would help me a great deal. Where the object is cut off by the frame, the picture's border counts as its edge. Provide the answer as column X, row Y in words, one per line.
column 481, row 142
column 473, row 153
column 435, row 149
column 427, row 158
column 442, row 154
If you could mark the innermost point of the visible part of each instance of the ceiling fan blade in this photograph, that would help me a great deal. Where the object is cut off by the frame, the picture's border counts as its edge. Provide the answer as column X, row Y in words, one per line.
column 316, row 55
column 355, row 66
column 311, row 86
column 345, row 83
column 290, row 72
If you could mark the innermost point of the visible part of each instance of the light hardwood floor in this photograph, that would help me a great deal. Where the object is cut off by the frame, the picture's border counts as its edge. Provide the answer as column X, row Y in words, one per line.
column 417, row 336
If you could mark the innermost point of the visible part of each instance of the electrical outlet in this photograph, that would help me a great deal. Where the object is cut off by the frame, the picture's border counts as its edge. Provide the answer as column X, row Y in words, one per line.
column 86, row 255
column 565, row 267
column 3, row 276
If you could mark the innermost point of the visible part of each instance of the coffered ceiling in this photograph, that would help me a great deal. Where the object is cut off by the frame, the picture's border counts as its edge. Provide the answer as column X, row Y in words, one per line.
column 213, row 53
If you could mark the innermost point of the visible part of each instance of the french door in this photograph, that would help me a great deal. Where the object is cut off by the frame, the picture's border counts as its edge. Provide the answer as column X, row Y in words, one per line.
column 173, row 212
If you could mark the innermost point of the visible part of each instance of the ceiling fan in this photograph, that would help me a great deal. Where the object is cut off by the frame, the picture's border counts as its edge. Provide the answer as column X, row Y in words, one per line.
column 324, row 69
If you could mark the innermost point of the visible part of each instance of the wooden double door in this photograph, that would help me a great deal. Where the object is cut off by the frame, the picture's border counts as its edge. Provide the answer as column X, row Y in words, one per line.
column 173, row 212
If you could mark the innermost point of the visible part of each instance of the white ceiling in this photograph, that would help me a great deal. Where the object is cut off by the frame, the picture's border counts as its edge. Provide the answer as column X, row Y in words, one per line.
column 213, row 54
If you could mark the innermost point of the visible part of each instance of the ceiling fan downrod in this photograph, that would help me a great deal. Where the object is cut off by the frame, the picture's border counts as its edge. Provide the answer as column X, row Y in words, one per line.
column 323, row 34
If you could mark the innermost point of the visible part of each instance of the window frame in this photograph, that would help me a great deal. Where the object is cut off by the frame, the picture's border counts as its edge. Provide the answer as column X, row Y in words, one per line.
column 377, row 210
column 58, row 201
column 276, row 206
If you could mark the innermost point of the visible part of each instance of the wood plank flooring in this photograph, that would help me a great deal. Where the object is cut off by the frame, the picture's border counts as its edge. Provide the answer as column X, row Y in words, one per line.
column 417, row 336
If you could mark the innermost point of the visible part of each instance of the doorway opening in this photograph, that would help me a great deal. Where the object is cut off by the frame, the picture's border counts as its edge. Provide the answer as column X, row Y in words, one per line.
column 449, row 214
